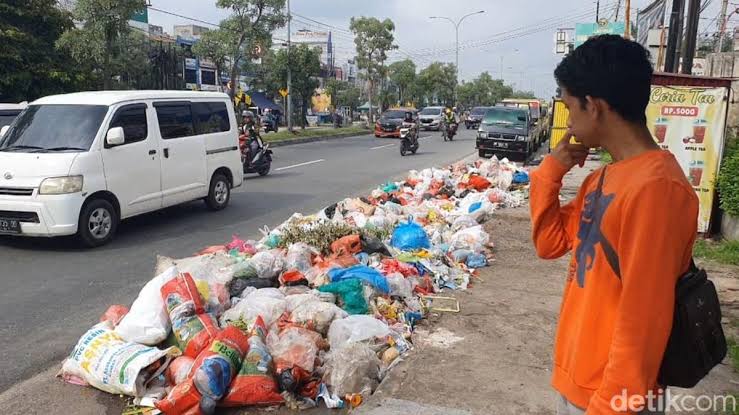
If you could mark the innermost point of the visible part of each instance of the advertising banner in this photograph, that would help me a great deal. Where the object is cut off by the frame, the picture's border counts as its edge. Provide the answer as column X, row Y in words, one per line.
column 584, row 31
column 690, row 123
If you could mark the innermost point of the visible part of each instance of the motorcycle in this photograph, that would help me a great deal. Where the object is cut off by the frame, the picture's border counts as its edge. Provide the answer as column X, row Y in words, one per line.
column 408, row 139
column 256, row 157
column 449, row 131
column 270, row 124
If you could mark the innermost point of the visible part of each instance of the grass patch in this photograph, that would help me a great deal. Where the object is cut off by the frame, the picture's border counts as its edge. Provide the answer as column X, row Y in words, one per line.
column 725, row 252
column 733, row 352
column 285, row 135
column 605, row 157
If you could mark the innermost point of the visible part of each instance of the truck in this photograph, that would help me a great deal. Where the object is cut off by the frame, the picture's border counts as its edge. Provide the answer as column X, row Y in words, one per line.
column 540, row 125
column 506, row 130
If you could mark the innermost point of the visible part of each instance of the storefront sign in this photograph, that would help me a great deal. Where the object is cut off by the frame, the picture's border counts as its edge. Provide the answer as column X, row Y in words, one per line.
column 690, row 123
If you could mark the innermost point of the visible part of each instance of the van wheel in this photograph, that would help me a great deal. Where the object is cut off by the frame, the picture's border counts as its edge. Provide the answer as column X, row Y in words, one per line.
column 220, row 192
column 98, row 223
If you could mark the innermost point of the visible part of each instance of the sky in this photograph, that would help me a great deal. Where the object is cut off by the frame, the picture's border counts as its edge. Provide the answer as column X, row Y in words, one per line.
column 512, row 37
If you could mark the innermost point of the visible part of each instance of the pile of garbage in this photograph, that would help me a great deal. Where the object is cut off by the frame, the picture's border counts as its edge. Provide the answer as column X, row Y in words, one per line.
column 321, row 308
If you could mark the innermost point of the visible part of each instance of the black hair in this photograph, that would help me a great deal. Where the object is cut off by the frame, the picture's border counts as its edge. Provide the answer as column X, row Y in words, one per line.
column 612, row 68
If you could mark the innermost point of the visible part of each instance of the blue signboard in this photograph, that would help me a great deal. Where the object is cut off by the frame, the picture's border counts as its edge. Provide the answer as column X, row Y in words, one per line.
column 584, row 31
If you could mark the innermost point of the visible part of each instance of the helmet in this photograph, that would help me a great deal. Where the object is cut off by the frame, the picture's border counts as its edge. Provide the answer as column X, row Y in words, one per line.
column 448, row 110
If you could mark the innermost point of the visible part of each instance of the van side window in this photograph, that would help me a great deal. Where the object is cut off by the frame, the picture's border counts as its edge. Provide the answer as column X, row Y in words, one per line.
column 132, row 118
column 175, row 119
column 210, row 117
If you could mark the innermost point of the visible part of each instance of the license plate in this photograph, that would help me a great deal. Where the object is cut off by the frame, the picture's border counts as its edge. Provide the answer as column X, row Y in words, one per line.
column 10, row 226
column 501, row 145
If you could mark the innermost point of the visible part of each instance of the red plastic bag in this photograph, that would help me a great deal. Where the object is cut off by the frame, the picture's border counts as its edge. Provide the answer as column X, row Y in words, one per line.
column 292, row 277
column 241, row 246
column 391, row 266
column 255, row 384
column 347, row 245
column 216, row 366
column 114, row 314
column 181, row 297
column 478, row 183
column 184, row 399
column 211, row 250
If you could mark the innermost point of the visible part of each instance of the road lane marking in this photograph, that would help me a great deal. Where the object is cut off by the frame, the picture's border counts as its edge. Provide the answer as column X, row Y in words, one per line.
column 379, row 147
column 300, row 165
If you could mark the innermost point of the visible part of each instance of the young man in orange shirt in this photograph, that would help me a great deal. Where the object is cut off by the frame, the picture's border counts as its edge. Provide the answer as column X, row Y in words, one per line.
column 630, row 230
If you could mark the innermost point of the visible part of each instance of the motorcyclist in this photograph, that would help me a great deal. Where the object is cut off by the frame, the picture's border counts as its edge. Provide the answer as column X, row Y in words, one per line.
column 251, row 131
column 410, row 123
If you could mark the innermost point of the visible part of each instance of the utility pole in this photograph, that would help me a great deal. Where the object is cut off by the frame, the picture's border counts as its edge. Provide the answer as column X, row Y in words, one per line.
column 597, row 11
column 722, row 25
column 627, row 33
column 618, row 9
column 289, row 73
column 673, row 37
column 694, row 11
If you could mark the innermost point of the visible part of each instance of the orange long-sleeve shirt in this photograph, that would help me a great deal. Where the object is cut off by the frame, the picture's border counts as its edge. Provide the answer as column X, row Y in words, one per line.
column 631, row 237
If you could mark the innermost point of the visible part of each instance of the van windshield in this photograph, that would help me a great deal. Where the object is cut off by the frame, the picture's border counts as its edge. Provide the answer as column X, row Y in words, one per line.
column 47, row 128
column 495, row 116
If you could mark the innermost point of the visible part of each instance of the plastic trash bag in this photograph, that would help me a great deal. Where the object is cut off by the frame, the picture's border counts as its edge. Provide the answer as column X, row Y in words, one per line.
column 350, row 244
column 410, row 237
column 269, row 264
column 352, row 369
column 353, row 329
column 295, row 346
column 351, row 294
column 317, row 314
column 216, row 366
column 299, row 257
column 184, row 399
column 254, row 305
column 107, row 362
column 461, row 255
column 179, row 369
column 394, row 208
column 391, row 266
column 356, row 219
column 373, row 245
column 504, row 179
column 294, row 301
column 400, row 286
column 478, row 183
column 474, row 239
column 114, row 314
column 520, row 177
column 216, row 267
column 148, row 322
column 477, row 261
column 463, row 222
column 255, row 384
column 362, row 272
column 245, row 247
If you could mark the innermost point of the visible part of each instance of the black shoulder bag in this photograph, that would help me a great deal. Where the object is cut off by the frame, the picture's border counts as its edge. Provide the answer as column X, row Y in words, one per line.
column 697, row 341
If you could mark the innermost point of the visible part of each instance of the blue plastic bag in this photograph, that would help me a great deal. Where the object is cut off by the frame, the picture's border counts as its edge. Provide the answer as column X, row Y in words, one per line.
column 410, row 236
column 474, row 207
column 520, row 177
column 362, row 272
column 477, row 261
column 389, row 187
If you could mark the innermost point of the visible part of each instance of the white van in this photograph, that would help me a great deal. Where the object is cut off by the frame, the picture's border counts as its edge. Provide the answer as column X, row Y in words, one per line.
column 79, row 163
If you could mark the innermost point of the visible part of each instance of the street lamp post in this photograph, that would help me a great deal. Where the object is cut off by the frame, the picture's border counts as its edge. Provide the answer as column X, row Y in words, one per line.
column 456, row 29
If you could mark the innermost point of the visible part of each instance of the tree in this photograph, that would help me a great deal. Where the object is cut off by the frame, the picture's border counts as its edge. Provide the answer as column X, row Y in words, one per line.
column 373, row 39
column 212, row 46
column 483, row 91
column 247, row 30
column 403, row 75
column 305, row 65
column 439, row 80
column 30, row 65
column 99, row 40
column 523, row 95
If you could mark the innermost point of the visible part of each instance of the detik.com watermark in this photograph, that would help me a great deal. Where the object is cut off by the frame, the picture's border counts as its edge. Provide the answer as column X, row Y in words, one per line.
column 668, row 401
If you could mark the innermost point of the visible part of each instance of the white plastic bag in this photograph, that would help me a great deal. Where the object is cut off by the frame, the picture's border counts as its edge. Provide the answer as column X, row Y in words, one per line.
column 463, row 222
column 284, row 348
column 319, row 313
column 355, row 329
column 254, row 305
column 113, row 365
column 357, row 219
column 148, row 322
column 294, row 301
column 268, row 264
column 299, row 257
column 475, row 239
column 399, row 285
column 214, row 268
column 352, row 369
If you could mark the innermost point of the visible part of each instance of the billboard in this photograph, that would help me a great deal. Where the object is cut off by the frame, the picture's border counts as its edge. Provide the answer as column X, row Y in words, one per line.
column 141, row 16
column 584, row 31
column 690, row 123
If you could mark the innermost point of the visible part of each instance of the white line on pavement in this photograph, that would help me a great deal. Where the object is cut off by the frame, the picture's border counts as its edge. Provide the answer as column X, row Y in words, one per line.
column 379, row 147
column 300, row 165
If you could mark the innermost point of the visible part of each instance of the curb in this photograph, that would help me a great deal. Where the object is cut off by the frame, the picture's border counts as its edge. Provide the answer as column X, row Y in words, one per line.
column 283, row 143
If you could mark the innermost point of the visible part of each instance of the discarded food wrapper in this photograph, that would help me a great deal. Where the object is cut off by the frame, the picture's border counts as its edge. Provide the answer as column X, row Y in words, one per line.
column 441, row 304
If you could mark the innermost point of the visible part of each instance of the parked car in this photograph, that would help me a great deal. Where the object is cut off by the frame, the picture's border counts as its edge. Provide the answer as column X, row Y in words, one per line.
column 391, row 121
column 540, row 125
column 79, row 163
column 430, row 118
column 9, row 112
column 475, row 118
column 505, row 130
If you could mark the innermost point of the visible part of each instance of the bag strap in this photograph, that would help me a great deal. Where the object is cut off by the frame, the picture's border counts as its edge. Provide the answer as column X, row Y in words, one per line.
column 610, row 253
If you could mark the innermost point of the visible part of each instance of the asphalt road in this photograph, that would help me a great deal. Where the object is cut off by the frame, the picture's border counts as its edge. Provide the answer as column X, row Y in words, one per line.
column 51, row 291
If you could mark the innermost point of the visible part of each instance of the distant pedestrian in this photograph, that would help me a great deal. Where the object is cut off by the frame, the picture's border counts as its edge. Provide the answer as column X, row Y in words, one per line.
column 630, row 231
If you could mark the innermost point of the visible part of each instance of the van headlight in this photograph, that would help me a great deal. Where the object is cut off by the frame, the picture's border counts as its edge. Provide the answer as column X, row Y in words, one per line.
column 521, row 138
column 61, row 185
column 482, row 134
